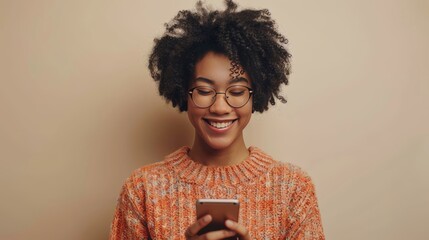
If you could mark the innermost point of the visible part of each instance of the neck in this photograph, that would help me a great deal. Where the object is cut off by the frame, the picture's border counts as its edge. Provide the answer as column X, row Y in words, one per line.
column 208, row 156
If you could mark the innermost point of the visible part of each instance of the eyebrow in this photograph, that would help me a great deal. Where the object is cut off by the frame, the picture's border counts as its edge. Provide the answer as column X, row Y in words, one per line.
column 209, row 81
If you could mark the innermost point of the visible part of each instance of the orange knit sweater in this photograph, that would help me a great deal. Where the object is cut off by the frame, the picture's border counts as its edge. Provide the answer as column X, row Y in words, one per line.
column 277, row 200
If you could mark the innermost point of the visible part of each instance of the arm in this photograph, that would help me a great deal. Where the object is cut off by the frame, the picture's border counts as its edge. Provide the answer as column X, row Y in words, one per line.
column 129, row 221
column 305, row 213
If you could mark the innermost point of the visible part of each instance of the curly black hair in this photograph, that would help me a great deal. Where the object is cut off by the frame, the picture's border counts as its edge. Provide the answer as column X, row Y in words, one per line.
column 249, row 38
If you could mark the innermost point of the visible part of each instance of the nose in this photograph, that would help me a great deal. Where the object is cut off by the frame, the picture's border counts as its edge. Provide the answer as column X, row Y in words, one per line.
column 220, row 106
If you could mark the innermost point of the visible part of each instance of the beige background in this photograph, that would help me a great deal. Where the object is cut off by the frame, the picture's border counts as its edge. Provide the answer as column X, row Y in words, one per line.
column 79, row 112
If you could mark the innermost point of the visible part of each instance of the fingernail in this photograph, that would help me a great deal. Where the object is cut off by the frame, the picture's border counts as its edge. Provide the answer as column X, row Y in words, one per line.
column 229, row 223
column 207, row 218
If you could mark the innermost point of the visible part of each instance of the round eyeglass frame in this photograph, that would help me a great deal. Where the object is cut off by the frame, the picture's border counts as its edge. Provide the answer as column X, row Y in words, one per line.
column 190, row 91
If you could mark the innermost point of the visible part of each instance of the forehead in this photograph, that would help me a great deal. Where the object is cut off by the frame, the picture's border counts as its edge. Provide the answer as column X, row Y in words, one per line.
column 217, row 69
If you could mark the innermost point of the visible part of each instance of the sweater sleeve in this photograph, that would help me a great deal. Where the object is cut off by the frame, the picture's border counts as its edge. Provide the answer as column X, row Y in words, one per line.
column 306, row 221
column 129, row 220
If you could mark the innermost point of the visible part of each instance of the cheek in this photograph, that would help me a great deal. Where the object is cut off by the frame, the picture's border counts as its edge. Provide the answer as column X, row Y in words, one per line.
column 191, row 116
column 194, row 115
column 245, row 114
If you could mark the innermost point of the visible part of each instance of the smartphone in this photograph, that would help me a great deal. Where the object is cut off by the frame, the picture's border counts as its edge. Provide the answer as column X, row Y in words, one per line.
column 220, row 210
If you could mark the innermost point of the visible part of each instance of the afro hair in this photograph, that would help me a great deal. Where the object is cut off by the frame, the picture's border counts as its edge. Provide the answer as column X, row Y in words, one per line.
column 249, row 38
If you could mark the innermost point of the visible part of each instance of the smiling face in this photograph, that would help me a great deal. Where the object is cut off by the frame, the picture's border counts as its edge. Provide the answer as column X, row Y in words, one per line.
column 219, row 126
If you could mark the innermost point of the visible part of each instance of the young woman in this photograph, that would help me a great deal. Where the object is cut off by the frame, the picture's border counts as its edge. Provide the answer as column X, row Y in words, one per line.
column 219, row 67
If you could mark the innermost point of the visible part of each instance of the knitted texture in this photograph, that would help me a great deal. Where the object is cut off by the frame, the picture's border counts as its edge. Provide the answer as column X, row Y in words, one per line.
column 277, row 200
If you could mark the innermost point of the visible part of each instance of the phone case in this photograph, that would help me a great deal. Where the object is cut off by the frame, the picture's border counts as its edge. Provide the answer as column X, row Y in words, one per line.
column 220, row 210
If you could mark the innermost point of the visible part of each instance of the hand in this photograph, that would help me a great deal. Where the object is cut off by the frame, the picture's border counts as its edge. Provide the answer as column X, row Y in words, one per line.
column 191, row 231
column 239, row 229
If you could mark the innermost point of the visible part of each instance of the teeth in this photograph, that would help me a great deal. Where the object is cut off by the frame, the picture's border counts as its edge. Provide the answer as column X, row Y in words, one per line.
column 220, row 124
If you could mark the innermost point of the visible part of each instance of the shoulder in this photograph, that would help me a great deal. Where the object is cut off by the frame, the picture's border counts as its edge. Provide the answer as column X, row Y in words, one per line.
column 158, row 170
column 295, row 182
column 286, row 172
column 292, row 171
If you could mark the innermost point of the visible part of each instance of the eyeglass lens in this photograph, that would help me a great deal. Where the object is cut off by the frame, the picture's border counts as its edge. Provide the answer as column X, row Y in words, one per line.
column 235, row 96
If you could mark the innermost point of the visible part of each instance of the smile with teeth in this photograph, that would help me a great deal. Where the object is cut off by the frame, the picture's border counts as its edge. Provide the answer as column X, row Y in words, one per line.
column 220, row 125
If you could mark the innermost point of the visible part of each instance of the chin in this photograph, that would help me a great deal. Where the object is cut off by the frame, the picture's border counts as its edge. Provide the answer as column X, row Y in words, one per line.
column 219, row 144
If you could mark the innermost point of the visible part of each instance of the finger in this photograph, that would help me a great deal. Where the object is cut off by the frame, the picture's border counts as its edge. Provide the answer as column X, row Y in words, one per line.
column 195, row 227
column 220, row 234
column 238, row 228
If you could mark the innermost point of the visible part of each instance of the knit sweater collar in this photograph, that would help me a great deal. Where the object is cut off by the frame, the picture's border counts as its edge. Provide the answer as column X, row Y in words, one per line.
column 250, row 169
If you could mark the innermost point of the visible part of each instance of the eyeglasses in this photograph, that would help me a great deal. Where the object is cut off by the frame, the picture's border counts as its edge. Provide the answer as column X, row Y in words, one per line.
column 236, row 96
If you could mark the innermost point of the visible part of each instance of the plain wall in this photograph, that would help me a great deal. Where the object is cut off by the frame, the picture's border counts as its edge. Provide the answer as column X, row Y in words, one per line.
column 79, row 112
